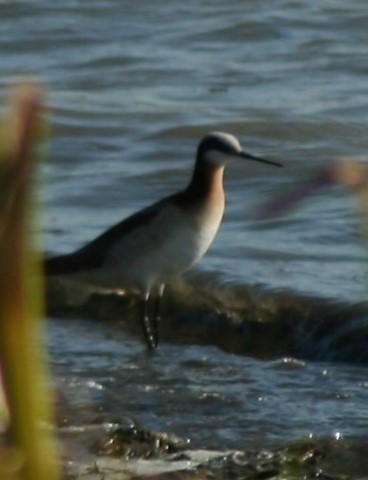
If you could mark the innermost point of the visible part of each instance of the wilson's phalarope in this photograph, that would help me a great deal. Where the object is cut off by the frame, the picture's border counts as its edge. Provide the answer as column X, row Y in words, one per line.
column 162, row 241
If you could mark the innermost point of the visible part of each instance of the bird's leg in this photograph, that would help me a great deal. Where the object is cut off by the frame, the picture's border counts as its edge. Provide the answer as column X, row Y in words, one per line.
column 149, row 333
column 157, row 312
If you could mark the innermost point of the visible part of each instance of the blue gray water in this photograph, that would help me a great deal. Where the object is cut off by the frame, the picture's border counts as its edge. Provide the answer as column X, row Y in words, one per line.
column 132, row 86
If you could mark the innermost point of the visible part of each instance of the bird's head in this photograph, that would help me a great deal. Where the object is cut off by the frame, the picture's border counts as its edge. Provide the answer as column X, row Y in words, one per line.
column 220, row 148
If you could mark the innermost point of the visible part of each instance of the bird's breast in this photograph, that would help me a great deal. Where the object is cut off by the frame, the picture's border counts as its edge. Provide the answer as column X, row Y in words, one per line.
column 168, row 245
column 208, row 219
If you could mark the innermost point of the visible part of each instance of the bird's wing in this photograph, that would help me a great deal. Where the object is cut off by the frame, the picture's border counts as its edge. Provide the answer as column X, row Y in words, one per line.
column 93, row 255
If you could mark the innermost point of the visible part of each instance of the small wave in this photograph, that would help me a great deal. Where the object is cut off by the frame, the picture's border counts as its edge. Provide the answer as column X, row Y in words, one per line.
column 240, row 319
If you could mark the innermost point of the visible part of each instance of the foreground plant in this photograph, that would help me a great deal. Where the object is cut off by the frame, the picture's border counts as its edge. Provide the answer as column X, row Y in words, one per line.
column 30, row 451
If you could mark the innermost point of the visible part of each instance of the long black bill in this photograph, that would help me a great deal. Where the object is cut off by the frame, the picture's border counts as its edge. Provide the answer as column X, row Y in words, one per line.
column 248, row 156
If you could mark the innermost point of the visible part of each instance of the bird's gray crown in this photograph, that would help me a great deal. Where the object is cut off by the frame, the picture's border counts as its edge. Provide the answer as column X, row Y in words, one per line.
column 216, row 147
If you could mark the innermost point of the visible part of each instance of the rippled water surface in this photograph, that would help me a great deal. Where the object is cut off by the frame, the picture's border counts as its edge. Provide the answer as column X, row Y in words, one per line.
column 215, row 399
column 132, row 86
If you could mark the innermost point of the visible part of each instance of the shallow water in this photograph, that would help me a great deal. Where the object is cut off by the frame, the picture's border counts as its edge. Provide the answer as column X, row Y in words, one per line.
column 132, row 87
column 215, row 399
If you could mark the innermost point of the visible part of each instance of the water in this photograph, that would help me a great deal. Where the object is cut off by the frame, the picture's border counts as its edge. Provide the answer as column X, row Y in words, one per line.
column 216, row 399
column 132, row 86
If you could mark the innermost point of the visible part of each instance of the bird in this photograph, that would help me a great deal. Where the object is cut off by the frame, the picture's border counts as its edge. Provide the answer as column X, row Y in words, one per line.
column 162, row 241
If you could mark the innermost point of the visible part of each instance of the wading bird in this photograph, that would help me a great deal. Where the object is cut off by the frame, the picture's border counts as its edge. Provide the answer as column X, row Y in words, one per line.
column 161, row 241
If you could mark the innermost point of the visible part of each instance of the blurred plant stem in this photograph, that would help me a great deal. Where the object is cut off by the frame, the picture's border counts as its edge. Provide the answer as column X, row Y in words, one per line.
column 22, row 353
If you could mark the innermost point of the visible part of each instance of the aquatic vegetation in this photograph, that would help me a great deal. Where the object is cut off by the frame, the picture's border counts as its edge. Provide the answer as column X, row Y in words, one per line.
column 161, row 455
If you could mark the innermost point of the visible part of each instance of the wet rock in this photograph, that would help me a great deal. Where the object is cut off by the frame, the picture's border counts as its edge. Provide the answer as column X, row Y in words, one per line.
column 310, row 459
column 133, row 441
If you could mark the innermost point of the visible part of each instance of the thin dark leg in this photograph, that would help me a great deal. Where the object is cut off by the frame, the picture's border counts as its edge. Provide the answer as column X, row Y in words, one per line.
column 157, row 313
column 149, row 334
